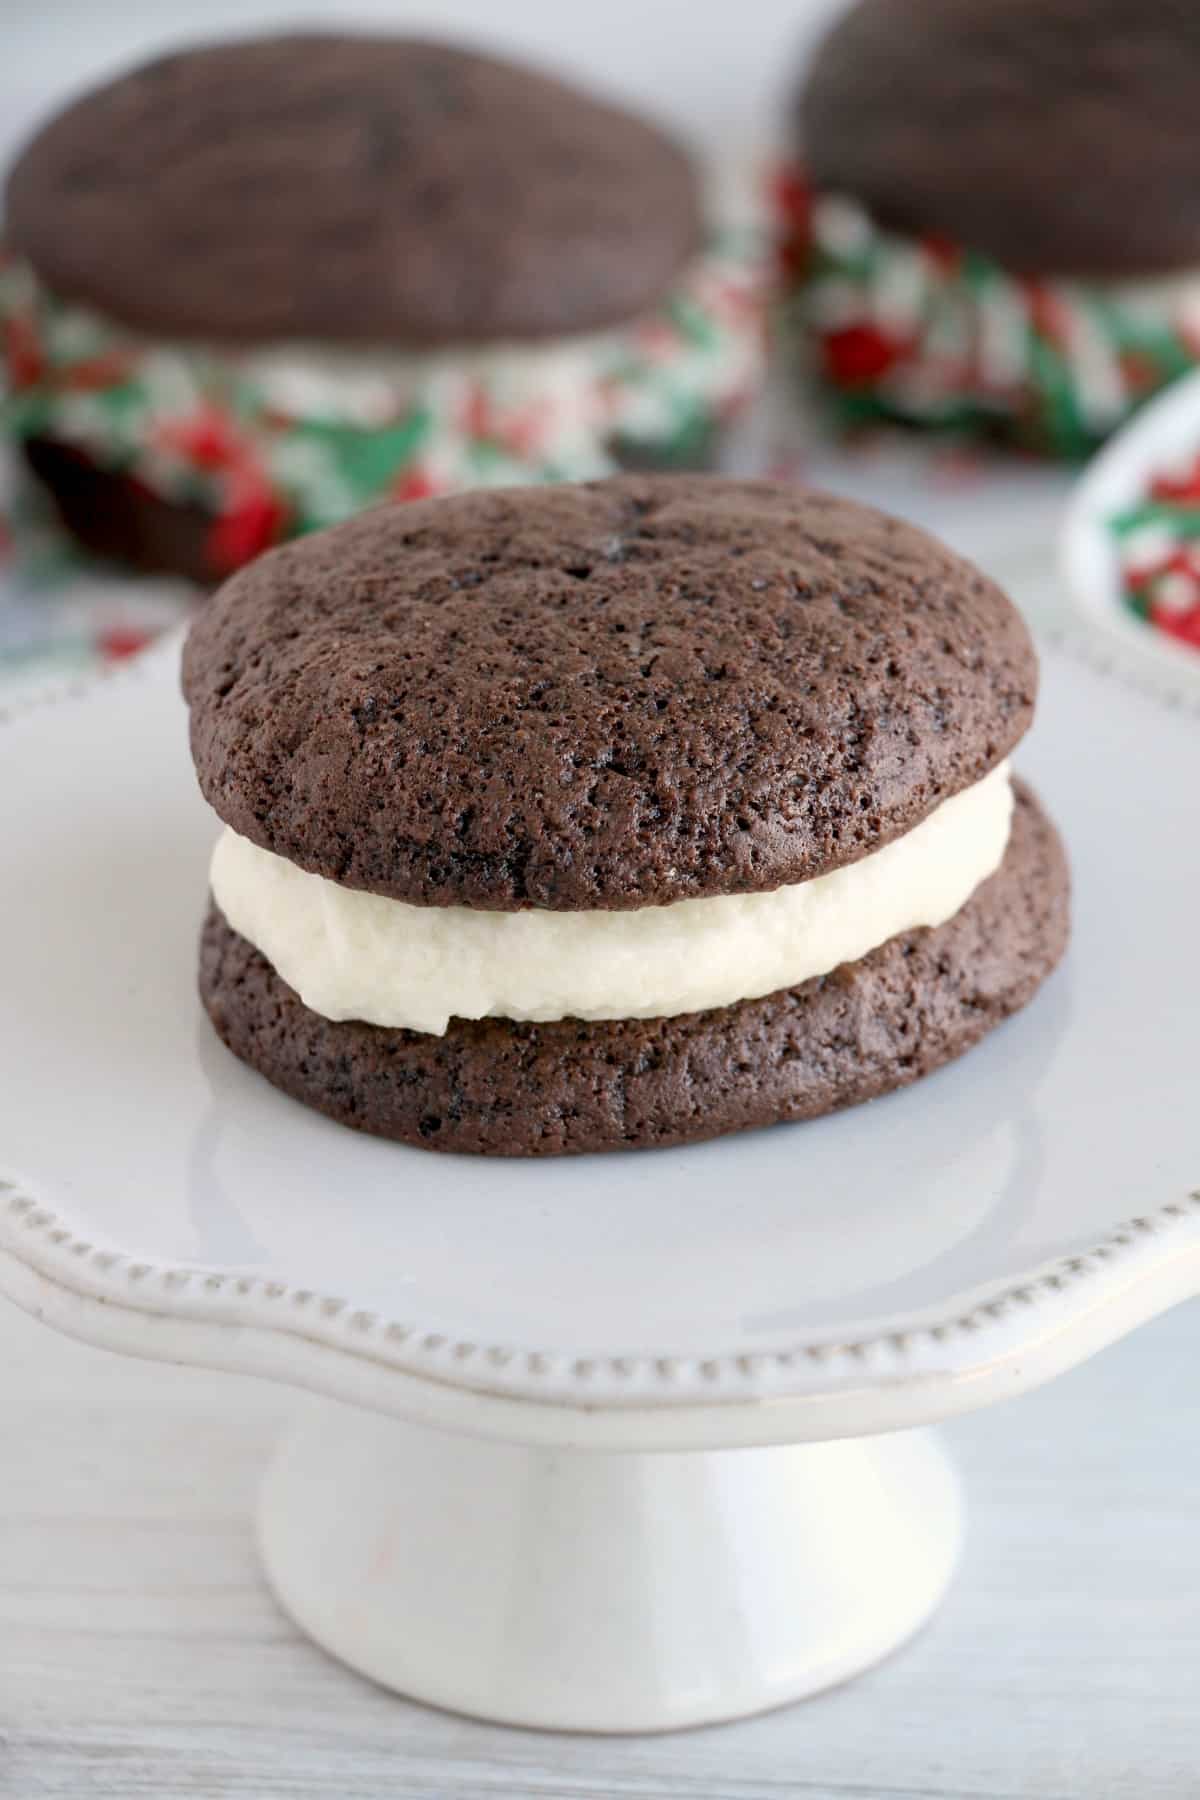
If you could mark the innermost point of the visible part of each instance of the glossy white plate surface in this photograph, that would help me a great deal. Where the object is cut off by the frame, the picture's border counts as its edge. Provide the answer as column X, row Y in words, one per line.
column 894, row 1263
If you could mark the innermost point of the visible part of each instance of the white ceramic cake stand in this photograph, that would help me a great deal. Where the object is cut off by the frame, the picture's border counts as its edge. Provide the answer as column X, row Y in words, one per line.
column 619, row 1443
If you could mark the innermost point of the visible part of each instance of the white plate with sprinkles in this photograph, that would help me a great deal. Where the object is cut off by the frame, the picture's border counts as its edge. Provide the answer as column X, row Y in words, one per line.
column 1130, row 545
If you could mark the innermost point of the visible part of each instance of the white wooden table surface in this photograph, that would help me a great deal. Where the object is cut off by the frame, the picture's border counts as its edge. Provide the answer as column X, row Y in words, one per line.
column 140, row 1656
column 142, row 1659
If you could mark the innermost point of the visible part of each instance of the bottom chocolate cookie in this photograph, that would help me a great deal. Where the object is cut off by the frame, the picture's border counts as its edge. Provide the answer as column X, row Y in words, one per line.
column 115, row 517
column 495, row 1087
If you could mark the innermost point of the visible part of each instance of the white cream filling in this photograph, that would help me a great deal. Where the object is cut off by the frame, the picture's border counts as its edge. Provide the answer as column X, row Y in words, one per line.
column 353, row 955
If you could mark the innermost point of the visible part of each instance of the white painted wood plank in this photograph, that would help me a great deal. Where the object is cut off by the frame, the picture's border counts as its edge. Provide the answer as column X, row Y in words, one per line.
column 141, row 1656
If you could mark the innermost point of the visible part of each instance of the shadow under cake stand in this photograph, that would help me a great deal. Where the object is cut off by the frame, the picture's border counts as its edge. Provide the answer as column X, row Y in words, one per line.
column 619, row 1443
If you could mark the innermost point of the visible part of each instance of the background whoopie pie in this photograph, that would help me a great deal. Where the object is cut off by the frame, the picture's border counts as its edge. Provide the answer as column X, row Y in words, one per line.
column 614, row 815
column 993, row 220
column 251, row 287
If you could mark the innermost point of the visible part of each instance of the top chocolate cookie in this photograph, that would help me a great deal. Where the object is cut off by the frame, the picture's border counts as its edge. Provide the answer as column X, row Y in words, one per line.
column 352, row 189
column 1058, row 136
column 620, row 694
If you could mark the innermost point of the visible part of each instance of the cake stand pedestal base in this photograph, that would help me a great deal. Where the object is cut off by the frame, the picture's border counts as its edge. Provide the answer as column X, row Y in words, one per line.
column 597, row 1591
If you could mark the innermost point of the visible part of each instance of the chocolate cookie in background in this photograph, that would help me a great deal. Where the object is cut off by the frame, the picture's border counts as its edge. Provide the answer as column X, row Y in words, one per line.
column 993, row 220
column 250, row 288
column 615, row 815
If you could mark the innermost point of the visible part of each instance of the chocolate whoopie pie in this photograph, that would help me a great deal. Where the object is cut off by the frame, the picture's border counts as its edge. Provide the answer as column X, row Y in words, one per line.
column 250, row 287
column 994, row 220
column 605, row 816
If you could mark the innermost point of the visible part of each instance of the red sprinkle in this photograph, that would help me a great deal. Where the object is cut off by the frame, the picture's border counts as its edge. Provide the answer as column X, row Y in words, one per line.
column 122, row 641
column 792, row 198
column 1139, row 371
column 23, row 353
column 1177, row 487
column 254, row 521
column 859, row 354
column 1046, row 312
column 208, row 439
column 1182, row 625
column 99, row 373
column 414, row 484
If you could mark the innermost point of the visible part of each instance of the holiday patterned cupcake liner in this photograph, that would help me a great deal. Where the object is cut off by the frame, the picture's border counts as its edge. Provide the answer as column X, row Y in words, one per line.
column 926, row 332
column 278, row 442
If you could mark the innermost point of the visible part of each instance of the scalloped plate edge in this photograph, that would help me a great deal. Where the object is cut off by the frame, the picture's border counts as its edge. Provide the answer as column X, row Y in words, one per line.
column 1010, row 1337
